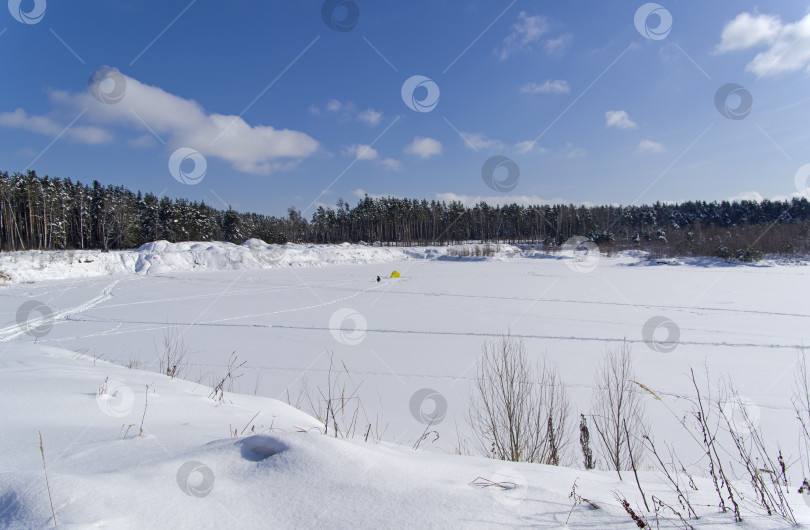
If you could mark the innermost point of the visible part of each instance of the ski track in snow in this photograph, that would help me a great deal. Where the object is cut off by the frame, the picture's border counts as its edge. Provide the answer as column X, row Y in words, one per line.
column 331, row 285
column 13, row 331
column 220, row 323
column 231, row 292
column 692, row 309
column 78, row 313
column 72, row 315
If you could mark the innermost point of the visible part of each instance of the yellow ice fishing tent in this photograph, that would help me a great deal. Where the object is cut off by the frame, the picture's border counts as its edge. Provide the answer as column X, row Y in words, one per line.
column 395, row 274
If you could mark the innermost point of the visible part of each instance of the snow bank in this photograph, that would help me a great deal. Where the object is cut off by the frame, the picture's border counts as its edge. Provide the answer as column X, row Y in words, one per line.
column 186, row 471
column 163, row 257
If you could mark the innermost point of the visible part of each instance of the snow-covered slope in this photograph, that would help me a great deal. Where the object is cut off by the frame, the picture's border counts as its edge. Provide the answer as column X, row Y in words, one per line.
column 162, row 257
column 186, row 471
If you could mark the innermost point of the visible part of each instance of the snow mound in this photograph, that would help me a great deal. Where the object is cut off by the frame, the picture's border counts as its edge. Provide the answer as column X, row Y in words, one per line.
column 163, row 257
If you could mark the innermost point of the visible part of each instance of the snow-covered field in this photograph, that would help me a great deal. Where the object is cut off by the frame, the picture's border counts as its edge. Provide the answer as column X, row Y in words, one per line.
column 407, row 347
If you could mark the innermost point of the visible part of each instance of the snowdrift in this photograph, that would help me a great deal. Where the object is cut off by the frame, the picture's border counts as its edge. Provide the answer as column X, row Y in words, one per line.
column 163, row 257
column 185, row 471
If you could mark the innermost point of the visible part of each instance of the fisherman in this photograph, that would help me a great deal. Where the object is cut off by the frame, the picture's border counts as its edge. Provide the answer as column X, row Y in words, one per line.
column 378, row 279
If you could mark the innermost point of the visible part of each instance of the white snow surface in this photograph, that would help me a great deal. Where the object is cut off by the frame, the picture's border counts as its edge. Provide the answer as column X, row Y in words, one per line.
column 186, row 472
column 293, row 311
column 161, row 257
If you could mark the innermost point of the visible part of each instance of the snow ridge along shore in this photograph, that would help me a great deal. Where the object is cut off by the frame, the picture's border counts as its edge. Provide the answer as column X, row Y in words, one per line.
column 163, row 257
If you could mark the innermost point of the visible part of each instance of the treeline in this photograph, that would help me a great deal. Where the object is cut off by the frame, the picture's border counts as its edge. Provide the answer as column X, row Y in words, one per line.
column 50, row 214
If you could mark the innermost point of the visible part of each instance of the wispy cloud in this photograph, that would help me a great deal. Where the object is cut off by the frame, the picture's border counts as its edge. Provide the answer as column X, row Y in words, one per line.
column 525, row 200
column 747, row 196
column 360, row 193
column 558, row 86
column 479, row 142
column 558, row 45
column 144, row 140
column 572, row 151
column 83, row 134
column 619, row 119
column 530, row 32
column 361, row 152
column 366, row 152
column 526, row 31
column 347, row 111
column 370, row 116
column 392, row 164
column 649, row 146
column 529, row 146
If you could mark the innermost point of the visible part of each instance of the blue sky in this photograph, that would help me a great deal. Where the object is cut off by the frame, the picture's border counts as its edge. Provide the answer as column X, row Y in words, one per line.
column 286, row 111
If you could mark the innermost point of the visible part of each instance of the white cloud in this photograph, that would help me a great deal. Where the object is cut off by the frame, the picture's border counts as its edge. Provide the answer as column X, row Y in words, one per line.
column 747, row 196
column 529, row 146
column 258, row 149
column 649, row 146
column 756, row 196
column 89, row 135
column 370, row 116
column 794, row 195
column 525, row 200
column 532, row 147
column 366, row 152
column 83, row 134
column 361, row 194
column 144, row 140
column 526, row 31
column 362, row 152
column 747, row 30
column 619, row 119
column 478, row 141
column 788, row 44
column 324, row 205
column 558, row 86
column 424, row 147
column 557, row 45
column 347, row 111
column 571, row 151
column 392, row 164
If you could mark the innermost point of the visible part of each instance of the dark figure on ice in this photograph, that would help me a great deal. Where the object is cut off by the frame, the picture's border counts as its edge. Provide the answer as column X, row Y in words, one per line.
column 378, row 279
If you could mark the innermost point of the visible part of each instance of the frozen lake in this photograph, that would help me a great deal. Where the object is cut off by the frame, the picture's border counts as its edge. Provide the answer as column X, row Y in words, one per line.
column 426, row 329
